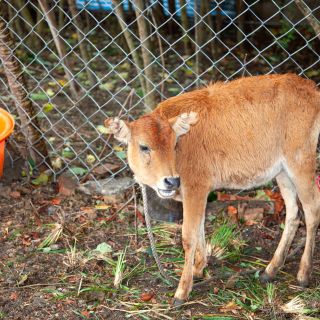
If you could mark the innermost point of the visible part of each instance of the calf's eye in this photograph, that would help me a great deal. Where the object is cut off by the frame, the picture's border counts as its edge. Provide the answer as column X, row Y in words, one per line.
column 144, row 148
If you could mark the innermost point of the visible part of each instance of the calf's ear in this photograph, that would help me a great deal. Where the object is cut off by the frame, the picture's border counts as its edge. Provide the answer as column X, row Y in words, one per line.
column 181, row 124
column 120, row 129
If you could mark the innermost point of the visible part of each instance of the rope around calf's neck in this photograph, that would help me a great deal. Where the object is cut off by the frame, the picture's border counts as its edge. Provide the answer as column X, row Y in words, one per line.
column 150, row 234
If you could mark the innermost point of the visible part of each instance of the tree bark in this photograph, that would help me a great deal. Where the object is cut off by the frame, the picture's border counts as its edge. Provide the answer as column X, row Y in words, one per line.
column 83, row 51
column 30, row 127
column 133, row 50
column 50, row 17
column 313, row 21
column 150, row 98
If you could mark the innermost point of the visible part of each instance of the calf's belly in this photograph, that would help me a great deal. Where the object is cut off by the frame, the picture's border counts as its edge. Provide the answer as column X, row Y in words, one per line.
column 246, row 179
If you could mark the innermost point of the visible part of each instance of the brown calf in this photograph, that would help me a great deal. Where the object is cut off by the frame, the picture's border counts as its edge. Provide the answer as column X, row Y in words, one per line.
column 241, row 134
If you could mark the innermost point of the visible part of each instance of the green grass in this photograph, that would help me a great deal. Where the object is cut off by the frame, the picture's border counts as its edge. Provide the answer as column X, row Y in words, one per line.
column 225, row 242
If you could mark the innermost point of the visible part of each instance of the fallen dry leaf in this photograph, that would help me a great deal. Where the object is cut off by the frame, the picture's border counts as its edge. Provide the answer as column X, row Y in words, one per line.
column 13, row 296
column 66, row 185
column 85, row 313
column 140, row 216
column 102, row 207
column 230, row 307
column 15, row 194
column 89, row 212
column 105, row 168
column 253, row 216
column 56, row 201
column 146, row 296
column 26, row 240
column 114, row 198
column 233, row 214
column 277, row 198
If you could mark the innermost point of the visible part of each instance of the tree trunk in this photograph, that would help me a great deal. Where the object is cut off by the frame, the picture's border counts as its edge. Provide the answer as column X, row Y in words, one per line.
column 157, row 9
column 199, row 35
column 171, row 23
column 185, row 27
column 129, row 40
column 61, row 15
column 313, row 21
column 28, row 22
column 50, row 17
column 150, row 98
column 240, row 14
column 83, row 51
column 29, row 125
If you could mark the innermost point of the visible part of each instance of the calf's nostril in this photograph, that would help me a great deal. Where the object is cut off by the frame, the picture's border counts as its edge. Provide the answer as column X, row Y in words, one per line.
column 172, row 182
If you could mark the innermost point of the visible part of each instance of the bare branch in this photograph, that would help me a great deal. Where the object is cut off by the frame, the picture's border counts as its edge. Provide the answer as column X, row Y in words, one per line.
column 313, row 21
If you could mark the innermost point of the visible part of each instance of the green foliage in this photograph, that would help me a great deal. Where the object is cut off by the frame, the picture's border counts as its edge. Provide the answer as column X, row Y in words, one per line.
column 78, row 171
column 288, row 34
column 42, row 179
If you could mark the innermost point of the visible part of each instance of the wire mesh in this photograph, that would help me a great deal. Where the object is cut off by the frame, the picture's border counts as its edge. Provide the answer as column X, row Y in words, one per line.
column 85, row 61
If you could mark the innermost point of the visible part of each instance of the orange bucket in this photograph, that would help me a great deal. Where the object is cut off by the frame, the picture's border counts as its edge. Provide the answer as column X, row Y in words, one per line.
column 6, row 128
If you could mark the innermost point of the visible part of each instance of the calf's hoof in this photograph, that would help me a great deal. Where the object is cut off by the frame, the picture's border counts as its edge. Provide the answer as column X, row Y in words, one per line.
column 197, row 275
column 303, row 282
column 265, row 278
column 178, row 302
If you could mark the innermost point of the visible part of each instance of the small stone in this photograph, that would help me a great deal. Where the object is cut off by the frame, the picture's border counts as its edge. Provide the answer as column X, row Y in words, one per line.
column 106, row 187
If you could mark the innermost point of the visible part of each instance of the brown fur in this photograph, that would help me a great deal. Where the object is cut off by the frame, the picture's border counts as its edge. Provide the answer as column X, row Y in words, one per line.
column 248, row 132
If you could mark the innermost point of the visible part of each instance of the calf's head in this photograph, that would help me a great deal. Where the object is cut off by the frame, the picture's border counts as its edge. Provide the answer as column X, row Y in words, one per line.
column 151, row 148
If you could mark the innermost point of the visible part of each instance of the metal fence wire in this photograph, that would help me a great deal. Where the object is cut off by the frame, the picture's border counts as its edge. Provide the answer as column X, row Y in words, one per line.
column 86, row 60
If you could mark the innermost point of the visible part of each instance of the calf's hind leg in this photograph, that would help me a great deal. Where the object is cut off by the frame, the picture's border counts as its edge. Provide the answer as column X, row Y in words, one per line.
column 308, row 194
column 288, row 192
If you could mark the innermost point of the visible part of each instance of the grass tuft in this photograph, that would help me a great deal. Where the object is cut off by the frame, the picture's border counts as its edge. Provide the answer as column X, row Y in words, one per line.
column 225, row 242
column 296, row 306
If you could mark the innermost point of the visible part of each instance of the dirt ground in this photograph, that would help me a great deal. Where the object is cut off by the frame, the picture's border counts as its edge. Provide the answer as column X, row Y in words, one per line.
column 83, row 258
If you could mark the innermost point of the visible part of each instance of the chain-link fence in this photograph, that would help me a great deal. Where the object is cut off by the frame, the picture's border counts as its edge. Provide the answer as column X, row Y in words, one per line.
column 86, row 60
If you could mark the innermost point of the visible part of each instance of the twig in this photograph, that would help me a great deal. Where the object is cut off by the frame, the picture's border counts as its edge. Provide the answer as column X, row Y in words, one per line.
column 124, row 205
column 33, row 286
column 244, row 65
column 79, row 287
column 236, row 275
column 36, row 214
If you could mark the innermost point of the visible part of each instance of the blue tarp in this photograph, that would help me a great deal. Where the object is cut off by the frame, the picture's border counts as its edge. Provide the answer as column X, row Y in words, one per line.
column 227, row 6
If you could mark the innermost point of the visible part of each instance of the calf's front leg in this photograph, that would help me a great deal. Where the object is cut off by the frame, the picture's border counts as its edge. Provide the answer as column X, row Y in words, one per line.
column 194, row 203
